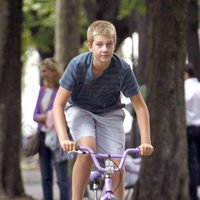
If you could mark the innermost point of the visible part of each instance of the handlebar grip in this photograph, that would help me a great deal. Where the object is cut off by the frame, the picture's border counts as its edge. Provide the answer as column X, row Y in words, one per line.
column 78, row 150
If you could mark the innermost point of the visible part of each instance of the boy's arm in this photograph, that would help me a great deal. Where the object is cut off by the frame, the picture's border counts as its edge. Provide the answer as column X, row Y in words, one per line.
column 60, row 101
column 142, row 114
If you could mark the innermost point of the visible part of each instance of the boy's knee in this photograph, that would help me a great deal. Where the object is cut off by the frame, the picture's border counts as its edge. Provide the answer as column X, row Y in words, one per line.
column 85, row 159
column 119, row 175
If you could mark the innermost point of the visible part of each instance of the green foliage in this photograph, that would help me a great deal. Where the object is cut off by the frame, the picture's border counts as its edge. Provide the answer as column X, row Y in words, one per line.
column 39, row 22
column 83, row 23
column 38, row 26
column 127, row 6
column 84, row 47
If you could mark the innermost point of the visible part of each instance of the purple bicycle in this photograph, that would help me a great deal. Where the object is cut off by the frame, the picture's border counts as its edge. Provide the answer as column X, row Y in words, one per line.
column 104, row 173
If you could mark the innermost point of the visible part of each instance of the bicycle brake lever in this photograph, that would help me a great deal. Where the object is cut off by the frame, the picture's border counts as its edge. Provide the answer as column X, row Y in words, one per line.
column 75, row 152
column 80, row 150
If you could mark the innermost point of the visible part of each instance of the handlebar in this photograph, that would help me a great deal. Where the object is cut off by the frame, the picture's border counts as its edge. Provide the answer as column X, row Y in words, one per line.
column 88, row 150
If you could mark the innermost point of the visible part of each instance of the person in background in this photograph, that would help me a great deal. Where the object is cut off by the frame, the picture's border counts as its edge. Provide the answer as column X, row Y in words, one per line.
column 91, row 85
column 192, row 103
column 50, row 72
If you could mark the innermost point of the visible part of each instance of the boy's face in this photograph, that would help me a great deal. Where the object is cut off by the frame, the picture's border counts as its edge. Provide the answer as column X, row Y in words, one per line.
column 102, row 48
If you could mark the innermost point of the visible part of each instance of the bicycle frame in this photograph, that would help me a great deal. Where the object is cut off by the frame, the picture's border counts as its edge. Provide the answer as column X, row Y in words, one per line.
column 105, row 173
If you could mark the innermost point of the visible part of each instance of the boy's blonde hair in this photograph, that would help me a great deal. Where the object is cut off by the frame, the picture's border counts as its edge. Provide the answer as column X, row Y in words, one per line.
column 101, row 27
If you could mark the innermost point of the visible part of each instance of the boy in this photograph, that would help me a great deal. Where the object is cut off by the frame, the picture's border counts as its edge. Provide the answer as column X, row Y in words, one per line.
column 91, row 85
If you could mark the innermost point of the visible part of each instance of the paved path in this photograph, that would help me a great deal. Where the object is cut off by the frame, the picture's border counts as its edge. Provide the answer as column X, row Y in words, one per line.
column 32, row 184
column 32, row 179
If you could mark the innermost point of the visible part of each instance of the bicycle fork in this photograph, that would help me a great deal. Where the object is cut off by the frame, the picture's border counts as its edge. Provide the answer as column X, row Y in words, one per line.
column 107, row 190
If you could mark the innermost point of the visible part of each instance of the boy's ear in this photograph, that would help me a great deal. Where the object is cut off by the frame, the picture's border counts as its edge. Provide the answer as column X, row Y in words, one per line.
column 89, row 46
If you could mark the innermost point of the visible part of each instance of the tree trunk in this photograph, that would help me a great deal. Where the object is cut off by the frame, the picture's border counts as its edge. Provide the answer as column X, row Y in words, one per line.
column 67, row 33
column 67, row 38
column 10, row 99
column 142, row 68
column 193, row 48
column 164, row 175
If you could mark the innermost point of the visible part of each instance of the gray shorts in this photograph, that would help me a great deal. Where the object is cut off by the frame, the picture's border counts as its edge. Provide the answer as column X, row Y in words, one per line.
column 106, row 128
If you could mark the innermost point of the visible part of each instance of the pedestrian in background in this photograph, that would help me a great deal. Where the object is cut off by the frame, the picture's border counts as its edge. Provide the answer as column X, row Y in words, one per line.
column 192, row 103
column 50, row 72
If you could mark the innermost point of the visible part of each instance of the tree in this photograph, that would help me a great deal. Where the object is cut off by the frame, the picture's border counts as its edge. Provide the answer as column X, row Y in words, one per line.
column 38, row 26
column 67, row 32
column 10, row 99
column 67, row 37
column 164, row 175
column 193, row 48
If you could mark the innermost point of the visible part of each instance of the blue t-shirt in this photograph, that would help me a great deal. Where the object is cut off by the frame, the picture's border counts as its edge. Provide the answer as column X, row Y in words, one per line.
column 98, row 94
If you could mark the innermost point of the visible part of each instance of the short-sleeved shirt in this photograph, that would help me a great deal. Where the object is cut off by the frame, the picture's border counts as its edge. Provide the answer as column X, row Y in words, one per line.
column 192, row 101
column 98, row 94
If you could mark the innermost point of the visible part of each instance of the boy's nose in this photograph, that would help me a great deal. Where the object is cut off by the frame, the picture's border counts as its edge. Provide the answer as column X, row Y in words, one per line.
column 105, row 47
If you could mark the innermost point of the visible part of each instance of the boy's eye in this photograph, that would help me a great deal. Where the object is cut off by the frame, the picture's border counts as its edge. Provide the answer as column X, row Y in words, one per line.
column 99, row 44
column 110, row 44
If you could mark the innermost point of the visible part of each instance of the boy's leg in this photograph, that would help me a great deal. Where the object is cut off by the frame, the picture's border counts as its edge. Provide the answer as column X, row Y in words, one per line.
column 81, row 169
column 110, row 138
column 118, row 183
column 82, row 129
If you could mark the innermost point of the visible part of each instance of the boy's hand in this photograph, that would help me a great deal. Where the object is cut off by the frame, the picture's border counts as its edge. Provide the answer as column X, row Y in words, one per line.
column 67, row 145
column 146, row 149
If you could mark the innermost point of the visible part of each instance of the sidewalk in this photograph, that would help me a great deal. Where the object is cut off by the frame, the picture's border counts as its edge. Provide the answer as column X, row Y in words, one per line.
column 32, row 180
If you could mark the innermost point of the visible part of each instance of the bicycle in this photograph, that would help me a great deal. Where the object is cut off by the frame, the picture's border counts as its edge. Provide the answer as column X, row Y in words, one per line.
column 104, row 173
